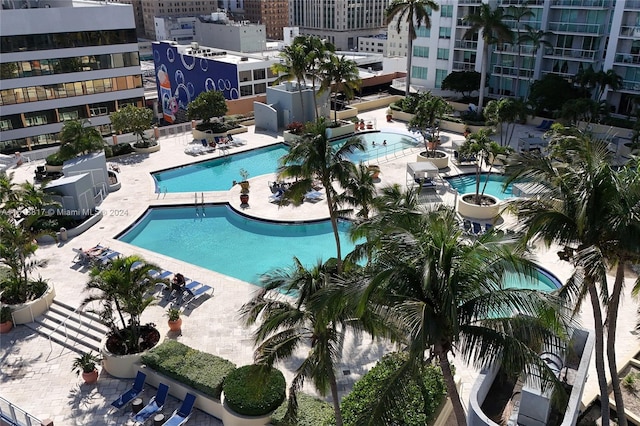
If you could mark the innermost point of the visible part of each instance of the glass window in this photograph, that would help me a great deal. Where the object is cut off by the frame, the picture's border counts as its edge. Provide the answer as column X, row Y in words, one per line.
column 421, row 51
column 446, row 11
column 445, row 32
column 419, row 72
column 423, row 32
column 440, row 75
column 259, row 74
column 259, row 88
column 443, row 53
column 246, row 90
column 245, row 75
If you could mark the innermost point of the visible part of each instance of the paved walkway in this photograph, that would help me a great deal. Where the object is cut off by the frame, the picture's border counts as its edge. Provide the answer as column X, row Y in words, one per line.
column 36, row 375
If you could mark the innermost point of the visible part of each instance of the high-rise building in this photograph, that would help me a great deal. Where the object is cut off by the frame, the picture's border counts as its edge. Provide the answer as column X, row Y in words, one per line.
column 273, row 14
column 63, row 60
column 153, row 8
column 137, row 13
column 340, row 22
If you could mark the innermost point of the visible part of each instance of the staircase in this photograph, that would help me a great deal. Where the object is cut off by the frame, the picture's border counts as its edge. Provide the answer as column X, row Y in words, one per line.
column 71, row 327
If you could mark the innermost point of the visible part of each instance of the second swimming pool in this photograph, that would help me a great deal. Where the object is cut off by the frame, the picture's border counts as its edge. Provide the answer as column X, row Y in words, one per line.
column 467, row 183
column 218, row 174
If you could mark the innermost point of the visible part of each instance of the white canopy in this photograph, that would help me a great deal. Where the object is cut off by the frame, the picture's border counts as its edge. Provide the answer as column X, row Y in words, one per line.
column 422, row 169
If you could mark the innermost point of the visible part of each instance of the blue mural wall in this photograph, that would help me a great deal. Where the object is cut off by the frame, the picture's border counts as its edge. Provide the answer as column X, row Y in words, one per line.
column 181, row 78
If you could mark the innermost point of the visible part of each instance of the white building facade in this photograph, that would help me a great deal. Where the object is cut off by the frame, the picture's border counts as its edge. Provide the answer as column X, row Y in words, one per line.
column 72, row 60
column 182, row 29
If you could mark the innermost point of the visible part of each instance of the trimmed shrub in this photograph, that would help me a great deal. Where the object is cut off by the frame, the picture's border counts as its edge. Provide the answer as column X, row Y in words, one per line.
column 416, row 409
column 254, row 390
column 121, row 149
column 311, row 412
column 200, row 370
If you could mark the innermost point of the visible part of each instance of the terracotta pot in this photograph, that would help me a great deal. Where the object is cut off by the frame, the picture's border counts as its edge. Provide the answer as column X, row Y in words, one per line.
column 175, row 325
column 5, row 327
column 244, row 198
column 90, row 378
column 389, row 117
column 362, row 125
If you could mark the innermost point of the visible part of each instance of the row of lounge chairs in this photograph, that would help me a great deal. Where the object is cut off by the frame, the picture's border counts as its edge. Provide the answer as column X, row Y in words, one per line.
column 545, row 125
column 95, row 256
column 219, row 142
column 311, row 196
column 475, row 228
column 156, row 404
column 195, row 289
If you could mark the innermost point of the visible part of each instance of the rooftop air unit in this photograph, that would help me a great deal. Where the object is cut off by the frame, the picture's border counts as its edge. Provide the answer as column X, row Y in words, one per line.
column 195, row 45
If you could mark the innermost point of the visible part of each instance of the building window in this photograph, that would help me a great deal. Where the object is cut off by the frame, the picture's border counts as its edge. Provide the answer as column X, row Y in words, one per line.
column 423, row 32
column 443, row 54
column 246, row 90
column 33, row 42
column 420, row 51
column 259, row 74
column 259, row 88
column 419, row 72
column 440, row 75
column 245, row 75
column 446, row 11
column 445, row 32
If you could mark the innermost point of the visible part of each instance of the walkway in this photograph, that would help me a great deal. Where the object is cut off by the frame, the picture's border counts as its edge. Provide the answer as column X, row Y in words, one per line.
column 37, row 376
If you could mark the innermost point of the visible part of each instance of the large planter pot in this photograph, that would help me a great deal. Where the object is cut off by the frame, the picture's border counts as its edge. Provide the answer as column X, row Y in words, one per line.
column 26, row 313
column 5, row 327
column 346, row 128
column 475, row 211
column 231, row 418
column 90, row 378
column 441, row 160
column 290, row 137
column 121, row 366
column 244, row 198
column 402, row 116
column 149, row 150
column 53, row 169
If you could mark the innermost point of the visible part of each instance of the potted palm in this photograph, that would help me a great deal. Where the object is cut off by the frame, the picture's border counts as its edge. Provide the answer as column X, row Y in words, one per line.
column 86, row 364
column 5, row 319
column 244, row 185
column 175, row 322
column 389, row 115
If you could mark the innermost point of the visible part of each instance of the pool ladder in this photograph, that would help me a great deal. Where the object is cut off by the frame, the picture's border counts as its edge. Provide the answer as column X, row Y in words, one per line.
column 199, row 207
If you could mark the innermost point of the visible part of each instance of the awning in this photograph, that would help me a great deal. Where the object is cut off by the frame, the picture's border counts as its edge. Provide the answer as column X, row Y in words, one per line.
column 422, row 169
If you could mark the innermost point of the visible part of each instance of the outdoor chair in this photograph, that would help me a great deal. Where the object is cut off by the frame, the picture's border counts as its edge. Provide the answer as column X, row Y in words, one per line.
column 155, row 404
column 129, row 395
column 182, row 414
column 542, row 125
column 477, row 228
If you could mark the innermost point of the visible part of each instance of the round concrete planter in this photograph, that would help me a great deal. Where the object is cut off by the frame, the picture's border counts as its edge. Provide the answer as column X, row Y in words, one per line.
column 53, row 169
column 475, row 211
column 231, row 418
column 149, row 150
column 290, row 137
column 27, row 312
column 441, row 162
column 120, row 366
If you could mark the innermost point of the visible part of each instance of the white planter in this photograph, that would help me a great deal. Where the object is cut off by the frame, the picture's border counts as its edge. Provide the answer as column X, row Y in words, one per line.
column 26, row 313
column 231, row 418
column 439, row 162
column 149, row 150
column 120, row 366
column 289, row 137
column 402, row 116
column 344, row 130
column 475, row 211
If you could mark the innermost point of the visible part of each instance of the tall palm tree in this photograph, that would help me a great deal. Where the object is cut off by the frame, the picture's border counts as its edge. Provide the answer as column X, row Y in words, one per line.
column 340, row 74
column 447, row 293
column 518, row 13
column 79, row 137
column 318, row 51
column 536, row 38
column 17, row 246
column 360, row 190
column 490, row 23
column 586, row 207
column 607, row 78
column 315, row 313
column 429, row 110
column 293, row 67
column 314, row 157
column 416, row 14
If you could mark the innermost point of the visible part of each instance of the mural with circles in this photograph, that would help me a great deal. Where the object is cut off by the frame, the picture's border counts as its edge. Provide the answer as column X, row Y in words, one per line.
column 181, row 78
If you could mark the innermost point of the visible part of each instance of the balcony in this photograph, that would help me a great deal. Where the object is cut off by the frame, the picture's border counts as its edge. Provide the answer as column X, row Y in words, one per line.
column 631, row 85
column 632, row 5
column 519, row 3
column 602, row 4
column 630, row 31
column 565, row 27
column 627, row 58
column 512, row 72
column 466, row 44
column 579, row 54
column 513, row 49
column 463, row 66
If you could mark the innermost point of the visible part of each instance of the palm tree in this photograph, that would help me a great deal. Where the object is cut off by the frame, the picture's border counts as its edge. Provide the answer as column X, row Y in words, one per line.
column 447, row 293
column 340, row 74
column 518, row 13
column 315, row 314
column 124, row 284
column 318, row 52
column 293, row 67
column 17, row 246
column 536, row 38
column 490, row 23
column 360, row 190
column 416, row 14
column 79, row 137
column 314, row 157
column 607, row 78
column 429, row 110
column 585, row 206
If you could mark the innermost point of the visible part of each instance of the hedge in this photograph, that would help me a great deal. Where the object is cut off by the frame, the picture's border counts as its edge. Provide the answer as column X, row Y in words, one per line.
column 414, row 410
column 200, row 370
column 311, row 412
column 254, row 390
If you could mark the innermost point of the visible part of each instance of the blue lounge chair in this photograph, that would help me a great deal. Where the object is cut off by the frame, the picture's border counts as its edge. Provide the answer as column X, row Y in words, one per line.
column 181, row 415
column 156, row 404
column 477, row 228
column 542, row 125
column 466, row 225
column 129, row 395
column 548, row 125
column 487, row 227
column 313, row 196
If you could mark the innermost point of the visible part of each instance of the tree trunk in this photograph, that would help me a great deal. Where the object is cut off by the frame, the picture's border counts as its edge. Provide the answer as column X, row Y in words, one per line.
column 452, row 390
column 334, row 226
column 612, row 319
column 336, row 399
column 408, row 78
column 315, row 101
column 599, row 350
column 483, row 75
column 304, row 115
column 519, row 61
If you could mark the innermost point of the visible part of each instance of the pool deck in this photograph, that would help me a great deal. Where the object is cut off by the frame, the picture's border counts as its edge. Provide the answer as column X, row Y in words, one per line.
column 36, row 375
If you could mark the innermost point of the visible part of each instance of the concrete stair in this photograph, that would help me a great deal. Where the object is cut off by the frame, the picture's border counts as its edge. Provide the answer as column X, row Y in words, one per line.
column 79, row 331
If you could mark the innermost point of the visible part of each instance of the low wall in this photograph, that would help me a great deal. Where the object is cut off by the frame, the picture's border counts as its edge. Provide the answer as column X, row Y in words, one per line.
column 479, row 392
column 343, row 130
column 199, row 135
column 347, row 112
column 27, row 312
column 376, row 103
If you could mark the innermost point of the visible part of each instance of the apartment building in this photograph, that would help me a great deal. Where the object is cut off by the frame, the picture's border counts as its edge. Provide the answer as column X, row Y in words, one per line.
column 340, row 22
column 578, row 34
column 182, row 30
column 273, row 14
column 218, row 31
column 73, row 59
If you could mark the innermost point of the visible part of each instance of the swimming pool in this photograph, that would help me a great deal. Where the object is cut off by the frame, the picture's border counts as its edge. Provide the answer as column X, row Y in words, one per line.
column 467, row 183
column 224, row 241
column 218, row 174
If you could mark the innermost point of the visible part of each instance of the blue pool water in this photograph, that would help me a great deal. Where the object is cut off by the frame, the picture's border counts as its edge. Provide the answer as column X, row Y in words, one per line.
column 218, row 174
column 467, row 183
column 224, row 241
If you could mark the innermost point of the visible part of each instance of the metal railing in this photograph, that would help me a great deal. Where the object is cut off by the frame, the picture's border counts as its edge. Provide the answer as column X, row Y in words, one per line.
column 466, row 44
column 576, row 28
column 632, row 4
column 16, row 416
column 571, row 53
column 628, row 58
column 580, row 3
column 64, row 324
column 630, row 31
column 463, row 66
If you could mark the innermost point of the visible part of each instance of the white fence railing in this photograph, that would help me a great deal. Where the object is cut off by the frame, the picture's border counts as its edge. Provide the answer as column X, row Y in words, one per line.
column 16, row 416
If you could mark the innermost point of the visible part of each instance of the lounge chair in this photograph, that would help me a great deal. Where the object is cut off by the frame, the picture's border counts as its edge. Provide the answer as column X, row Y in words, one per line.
column 277, row 196
column 542, row 125
column 129, row 395
column 81, row 257
column 487, row 227
column 466, row 225
column 477, row 228
column 155, row 404
column 314, row 196
column 182, row 414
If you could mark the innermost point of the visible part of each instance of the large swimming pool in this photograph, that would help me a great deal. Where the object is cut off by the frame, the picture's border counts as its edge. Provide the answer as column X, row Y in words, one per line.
column 221, row 240
column 218, row 174
column 467, row 183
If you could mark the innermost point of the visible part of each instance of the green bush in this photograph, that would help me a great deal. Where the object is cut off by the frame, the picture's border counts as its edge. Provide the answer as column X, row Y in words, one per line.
column 254, row 390
column 119, row 149
column 414, row 410
column 217, row 126
column 311, row 412
column 200, row 370
column 55, row 159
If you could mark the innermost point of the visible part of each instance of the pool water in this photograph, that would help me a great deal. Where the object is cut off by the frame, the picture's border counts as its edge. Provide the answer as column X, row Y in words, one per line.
column 218, row 174
column 224, row 241
column 467, row 184
column 221, row 240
